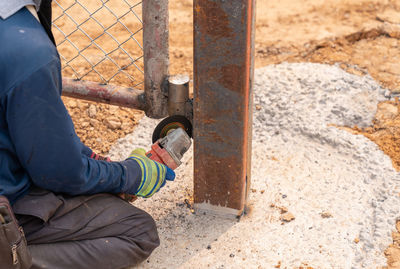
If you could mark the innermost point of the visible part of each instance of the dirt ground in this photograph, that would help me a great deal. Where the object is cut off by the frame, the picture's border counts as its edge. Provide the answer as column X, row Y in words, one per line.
column 361, row 36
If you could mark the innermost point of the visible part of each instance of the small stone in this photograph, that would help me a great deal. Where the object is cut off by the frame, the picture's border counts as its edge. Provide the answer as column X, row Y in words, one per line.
column 231, row 255
column 287, row 217
column 209, row 247
column 262, row 191
column 326, row 215
column 92, row 111
column 258, row 107
column 356, row 240
column 84, row 124
column 253, row 190
column 284, row 196
column 283, row 209
column 94, row 122
column 113, row 123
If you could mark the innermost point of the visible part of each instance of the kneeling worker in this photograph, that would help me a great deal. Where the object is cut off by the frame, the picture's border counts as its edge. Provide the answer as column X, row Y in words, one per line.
column 64, row 199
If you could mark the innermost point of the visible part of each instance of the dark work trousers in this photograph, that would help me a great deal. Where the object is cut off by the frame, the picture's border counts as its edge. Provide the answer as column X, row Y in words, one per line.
column 96, row 231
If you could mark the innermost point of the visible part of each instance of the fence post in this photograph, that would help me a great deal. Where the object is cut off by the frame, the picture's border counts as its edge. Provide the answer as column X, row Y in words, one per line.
column 223, row 74
column 156, row 56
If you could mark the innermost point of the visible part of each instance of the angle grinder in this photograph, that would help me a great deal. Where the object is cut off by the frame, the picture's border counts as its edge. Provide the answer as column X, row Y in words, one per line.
column 171, row 140
column 170, row 148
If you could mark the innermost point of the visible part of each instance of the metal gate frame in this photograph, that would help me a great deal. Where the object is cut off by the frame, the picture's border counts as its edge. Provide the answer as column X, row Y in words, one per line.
column 156, row 69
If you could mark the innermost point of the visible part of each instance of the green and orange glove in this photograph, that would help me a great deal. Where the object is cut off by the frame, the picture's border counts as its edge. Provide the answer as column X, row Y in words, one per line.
column 153, row 174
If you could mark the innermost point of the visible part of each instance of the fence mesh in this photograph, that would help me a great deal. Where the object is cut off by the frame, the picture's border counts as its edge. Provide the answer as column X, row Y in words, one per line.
column 100, row 40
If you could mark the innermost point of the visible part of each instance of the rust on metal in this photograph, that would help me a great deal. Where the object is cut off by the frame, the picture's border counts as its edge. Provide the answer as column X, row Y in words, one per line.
column 156, row 56
column 109, row 94
column 223, row 74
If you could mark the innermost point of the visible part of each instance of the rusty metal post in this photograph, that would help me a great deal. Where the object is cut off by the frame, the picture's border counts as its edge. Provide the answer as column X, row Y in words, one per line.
column 156, row 56
column 108, row 94
column 223, row 74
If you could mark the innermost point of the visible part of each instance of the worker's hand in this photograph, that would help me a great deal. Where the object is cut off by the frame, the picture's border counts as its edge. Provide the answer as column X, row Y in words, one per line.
column 154, row 174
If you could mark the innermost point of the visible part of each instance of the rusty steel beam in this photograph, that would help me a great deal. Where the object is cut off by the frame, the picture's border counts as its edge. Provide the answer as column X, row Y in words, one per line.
column 156, row 56
column 223, row 74
column 109, row 94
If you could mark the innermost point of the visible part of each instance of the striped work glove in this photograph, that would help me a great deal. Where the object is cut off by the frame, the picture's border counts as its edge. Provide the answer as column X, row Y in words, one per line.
column 154, row 174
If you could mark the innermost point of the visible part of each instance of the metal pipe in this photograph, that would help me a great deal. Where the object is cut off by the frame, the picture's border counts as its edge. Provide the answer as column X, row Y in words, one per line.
column 223, row 75
column 156, row 56
column 178, row 94
column 108, row 94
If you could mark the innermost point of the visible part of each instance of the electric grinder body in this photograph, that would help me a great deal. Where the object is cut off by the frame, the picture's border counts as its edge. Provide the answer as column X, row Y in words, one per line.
column 170, row 149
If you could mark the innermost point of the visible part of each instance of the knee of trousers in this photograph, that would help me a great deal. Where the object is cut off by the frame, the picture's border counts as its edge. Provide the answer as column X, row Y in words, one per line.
column 144, row 230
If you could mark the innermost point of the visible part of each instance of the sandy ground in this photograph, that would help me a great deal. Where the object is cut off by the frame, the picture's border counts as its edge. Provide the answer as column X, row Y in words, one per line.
column 362, row 36
column 320, row 196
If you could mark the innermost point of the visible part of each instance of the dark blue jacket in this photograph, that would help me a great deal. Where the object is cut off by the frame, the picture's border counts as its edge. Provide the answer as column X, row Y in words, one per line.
column 38, row 143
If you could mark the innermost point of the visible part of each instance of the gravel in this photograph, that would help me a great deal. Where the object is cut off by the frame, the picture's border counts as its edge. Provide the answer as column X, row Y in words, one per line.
column 340, row 190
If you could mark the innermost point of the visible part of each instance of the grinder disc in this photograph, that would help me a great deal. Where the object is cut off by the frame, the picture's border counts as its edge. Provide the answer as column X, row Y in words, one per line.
column 170, row 124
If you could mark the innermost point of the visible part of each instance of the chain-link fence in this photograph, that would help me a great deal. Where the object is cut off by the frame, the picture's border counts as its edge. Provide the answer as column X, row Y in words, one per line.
column 100, row 40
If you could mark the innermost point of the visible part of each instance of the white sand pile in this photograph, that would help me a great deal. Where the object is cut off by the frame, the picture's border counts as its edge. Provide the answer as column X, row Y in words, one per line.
column 340, row 188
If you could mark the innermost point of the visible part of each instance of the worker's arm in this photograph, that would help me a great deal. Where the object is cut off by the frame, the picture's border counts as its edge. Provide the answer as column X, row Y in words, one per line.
column 48, row 147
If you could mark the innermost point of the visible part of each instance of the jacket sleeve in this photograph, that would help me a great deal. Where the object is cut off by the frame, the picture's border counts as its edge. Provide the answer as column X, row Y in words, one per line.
column 49, row 149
